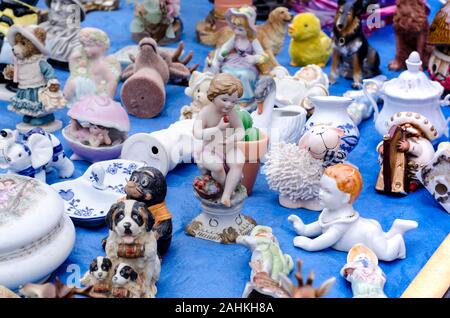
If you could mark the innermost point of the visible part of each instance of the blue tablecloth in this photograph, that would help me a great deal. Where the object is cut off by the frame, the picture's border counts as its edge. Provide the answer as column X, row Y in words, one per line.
column 198, row 268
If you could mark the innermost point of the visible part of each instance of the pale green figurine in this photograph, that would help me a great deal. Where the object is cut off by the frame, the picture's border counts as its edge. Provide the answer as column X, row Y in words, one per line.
column 363, row 272
column 266, row 255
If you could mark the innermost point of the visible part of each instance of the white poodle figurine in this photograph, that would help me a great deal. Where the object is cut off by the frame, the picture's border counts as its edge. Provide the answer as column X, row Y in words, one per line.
column 340, row 226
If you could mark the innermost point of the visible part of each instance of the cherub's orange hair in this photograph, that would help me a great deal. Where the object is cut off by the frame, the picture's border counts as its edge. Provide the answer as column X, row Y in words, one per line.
column 348, row 179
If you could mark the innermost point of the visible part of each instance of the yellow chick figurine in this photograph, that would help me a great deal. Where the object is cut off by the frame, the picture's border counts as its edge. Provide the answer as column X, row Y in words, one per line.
column 309, row 45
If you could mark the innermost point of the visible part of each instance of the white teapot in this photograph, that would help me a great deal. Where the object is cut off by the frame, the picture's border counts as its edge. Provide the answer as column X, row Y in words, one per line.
column 412, row 91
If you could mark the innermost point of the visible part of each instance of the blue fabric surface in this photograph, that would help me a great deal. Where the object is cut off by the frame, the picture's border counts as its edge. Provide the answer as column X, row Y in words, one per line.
column 198, row 268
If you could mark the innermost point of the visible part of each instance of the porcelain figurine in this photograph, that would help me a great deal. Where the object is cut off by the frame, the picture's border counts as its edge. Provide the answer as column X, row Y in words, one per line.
column 29, row 210
column 439, row 39
column 341, row 227
column 296, row 90
column 271, row 34
column 267, row 256
column 295, row 170
column 363, row 272
column 87, row 198
column 63, row 27
column 33, row 74
column 126, row 282
column 361, row 108
column 309, row 44
column 412, row 91
column 353, row 57
column 148, row 185
column 131, row 240
column 435, row 175
column 91, row 71
column 163, row 149
column 411, row 31
column 123, row 54
column 282, row 124
column 52, row 290
column 332, row 111
column 197, row 90
column 242, row 55
column 143, row 92
column 99, row 276
column 98, row 128
column 220, row 128
column 100, row 5
column 33, row 154
column 404, row 151
column 159, row 19
column 284, row 288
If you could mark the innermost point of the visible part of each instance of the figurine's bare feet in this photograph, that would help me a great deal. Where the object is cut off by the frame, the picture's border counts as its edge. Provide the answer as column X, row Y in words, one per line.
column 394, row 65
column 297, row 223
column 226, row 200
column 302, row 242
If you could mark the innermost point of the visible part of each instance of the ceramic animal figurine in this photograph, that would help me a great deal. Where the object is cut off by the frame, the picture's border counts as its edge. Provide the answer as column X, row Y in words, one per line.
column 198, row 87
column 439, row 39
column 33, row 154
column 125, row 282
column 412, row 91
column 411, row 32
column 296, row 90
column 221, row 120
column 143, row 92
column 99, row 275
column 404, row 151
column 148, row 185
column 282, row 124
column 132, row 240
column 50, row 290
column 267, row 256
column 242, row 55
column 284, row 288
column 98, row 128
column 363, row 272
column 63, row 27
column 33, row 74
column 341, row 227
column 91, row 71
column 158, row 19
column 309, row 44
column 353, row 57
column 295, row 170
column 435, row 175
column 165, row 148
column 332, row 111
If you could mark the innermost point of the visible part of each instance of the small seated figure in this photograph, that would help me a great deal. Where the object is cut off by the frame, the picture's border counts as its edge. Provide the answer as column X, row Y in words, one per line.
column 126, row 282
column 197, row 90
column 99, row 275
column 52, row 96
column 341, row 227
column 408, row 147
column 219, row 126
column 91, row 71
column 363, row 272
column 92, row 135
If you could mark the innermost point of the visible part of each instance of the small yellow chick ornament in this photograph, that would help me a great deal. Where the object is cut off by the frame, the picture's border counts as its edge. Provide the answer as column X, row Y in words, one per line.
column 309, row 45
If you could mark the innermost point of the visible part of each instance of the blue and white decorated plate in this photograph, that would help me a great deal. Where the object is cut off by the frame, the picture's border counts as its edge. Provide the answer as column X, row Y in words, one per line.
column 87, row 199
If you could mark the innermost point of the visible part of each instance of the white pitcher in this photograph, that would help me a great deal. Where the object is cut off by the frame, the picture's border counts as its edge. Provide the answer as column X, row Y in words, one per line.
column 412, row 91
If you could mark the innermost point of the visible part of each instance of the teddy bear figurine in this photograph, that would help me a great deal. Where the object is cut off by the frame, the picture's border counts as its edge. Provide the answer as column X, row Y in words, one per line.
column 34, row 75
column 198, row 88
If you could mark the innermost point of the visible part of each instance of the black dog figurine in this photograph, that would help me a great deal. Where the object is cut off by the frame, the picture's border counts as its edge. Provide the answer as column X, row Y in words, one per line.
column 148, row 185
column 353, row 57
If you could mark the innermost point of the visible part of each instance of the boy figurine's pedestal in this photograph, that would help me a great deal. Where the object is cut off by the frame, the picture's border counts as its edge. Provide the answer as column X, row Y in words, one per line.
column 219, row 223
column 50, row 127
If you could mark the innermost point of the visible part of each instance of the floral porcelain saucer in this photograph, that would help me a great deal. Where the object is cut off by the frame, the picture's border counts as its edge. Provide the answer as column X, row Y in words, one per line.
column 88, row 198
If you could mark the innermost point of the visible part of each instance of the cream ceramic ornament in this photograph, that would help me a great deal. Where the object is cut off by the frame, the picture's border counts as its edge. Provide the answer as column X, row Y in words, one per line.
column 341, row 227
column 163, row 149
column 412, row 91
column 435, row 175
column 36, row 236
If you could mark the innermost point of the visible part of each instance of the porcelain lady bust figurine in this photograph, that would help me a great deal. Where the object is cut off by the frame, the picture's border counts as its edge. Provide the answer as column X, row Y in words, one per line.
column 363, row 272
column 341, row 227
column 242, row 54
column 91, row 71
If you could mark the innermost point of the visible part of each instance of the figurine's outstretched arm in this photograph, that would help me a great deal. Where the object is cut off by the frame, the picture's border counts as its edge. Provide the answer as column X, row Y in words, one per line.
column 327, row 239
column 309, row 230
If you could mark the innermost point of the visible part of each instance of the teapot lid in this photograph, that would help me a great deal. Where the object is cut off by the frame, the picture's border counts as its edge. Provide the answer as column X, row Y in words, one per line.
column 413, row 84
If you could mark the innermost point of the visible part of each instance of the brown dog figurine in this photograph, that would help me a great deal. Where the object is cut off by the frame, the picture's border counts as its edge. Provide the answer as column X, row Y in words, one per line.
column 411, row 31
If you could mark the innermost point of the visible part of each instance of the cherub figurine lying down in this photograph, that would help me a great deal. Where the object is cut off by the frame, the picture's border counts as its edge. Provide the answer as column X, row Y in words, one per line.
column 92, row 135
